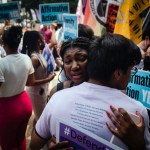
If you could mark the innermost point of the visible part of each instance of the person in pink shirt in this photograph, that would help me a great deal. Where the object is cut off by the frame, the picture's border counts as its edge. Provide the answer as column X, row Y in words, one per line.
column 46, row 32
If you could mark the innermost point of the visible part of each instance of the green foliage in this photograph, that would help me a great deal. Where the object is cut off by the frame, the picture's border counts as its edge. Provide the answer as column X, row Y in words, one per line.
column 30, row 4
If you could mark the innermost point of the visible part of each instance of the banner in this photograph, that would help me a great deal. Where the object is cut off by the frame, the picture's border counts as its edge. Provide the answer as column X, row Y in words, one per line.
column 37, row 13
column 111, row 15
column 49, row 58
column 129, row 22
column 101, row 15
column 70, row 26
column 139, row 87
column 79, row 12
column 33, row 15
column 53, row 12
column 90, row 19
column 9, row 11
column 121, row 17
column 81, row 139
column 137, row 7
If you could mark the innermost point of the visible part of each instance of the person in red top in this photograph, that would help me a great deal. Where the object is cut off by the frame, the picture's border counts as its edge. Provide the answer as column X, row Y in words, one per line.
column 46, row 32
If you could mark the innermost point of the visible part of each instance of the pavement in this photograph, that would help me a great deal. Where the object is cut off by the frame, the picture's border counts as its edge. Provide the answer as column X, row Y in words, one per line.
column 30, row 124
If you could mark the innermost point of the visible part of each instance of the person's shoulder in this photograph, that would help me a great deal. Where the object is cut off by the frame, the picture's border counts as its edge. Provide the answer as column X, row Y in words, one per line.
column 24, row 56
column 68, row 89
column 2, row 60
column 60, row 86
column 132, row 101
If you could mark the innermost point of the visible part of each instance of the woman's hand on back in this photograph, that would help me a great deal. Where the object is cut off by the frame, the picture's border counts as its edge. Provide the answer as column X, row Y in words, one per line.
column 127, row 130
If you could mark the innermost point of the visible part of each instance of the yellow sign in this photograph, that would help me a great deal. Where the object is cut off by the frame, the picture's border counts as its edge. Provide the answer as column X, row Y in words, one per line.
column 129, row 22
column 137, row 6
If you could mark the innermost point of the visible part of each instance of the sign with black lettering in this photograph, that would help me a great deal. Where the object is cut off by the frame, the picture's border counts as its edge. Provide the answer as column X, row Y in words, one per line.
column 70, row 26
column 80, row 138
column 9, row 11
column 139, row 87
column 112, row 11
column 53, row 12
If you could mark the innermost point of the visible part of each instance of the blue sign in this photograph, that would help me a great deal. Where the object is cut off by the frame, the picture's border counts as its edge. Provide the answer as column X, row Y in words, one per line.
column 9, row 11
column 139, row 87
column 53, row 12
column 70, row 26
column 49, row 58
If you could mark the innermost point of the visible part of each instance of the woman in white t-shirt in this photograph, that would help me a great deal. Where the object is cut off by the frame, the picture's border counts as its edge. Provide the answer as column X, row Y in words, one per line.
column 16, row 71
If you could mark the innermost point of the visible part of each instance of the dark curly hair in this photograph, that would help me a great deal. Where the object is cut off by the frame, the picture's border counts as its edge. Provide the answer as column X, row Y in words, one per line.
column 30, row 40
column 80, row 42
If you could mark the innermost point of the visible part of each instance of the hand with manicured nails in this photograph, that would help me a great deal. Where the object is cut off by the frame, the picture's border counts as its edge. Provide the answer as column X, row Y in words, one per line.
column 130, row 133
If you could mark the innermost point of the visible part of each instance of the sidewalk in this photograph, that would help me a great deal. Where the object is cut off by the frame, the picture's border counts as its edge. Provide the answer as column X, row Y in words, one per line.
column 29, row 127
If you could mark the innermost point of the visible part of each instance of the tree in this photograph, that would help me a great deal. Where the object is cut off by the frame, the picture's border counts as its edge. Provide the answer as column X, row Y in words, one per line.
column 29, row 4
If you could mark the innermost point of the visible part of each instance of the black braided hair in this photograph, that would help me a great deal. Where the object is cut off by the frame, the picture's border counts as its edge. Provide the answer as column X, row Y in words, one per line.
column 12, row 37
column 80, row 42
column 30, row 40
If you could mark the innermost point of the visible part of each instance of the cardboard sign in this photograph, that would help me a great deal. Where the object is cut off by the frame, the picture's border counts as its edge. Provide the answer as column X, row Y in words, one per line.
column 53, row 12
column 139, row 87
column 80, row 138
column 70, row 26
column 9, row 11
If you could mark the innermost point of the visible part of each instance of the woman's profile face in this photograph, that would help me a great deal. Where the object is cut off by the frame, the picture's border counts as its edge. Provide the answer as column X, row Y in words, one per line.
column 75, row 64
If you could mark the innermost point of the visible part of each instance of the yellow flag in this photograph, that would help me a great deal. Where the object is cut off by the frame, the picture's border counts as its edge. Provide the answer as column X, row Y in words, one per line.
column 122, row 24
column 137, row 6
column 129, row 22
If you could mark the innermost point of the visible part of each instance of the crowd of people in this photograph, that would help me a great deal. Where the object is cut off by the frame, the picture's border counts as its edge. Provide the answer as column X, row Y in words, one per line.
column 94, row 72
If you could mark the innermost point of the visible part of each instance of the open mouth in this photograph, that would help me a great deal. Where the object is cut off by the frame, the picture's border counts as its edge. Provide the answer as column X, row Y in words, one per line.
column 77, row 76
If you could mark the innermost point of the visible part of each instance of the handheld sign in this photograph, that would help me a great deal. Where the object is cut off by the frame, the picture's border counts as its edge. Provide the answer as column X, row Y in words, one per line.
column 70, row 26
column 49, row 58
column 53, row 12
column 9, row 11
column 139, row 87
column 111, row 15
column 80, row 138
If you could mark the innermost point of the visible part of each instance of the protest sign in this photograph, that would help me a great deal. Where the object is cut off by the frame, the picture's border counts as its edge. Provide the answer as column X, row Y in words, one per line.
column 139, row 87
column 70, row 26
column 96, row 13
column 111, row 15
column 90, row 18
column 129, row 21
column 53, row 12
column 80, row 138
column 9, row 11
column 49, row 58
